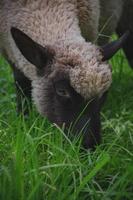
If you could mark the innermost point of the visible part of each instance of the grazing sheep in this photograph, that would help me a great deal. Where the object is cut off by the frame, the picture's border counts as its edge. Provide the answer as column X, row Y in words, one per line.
column 50, row 45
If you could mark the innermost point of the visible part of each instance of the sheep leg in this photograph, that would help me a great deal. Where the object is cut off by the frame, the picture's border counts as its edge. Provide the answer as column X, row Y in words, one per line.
column 23, row 87
column 127, row 47
column 126, row 23
column 23, row 92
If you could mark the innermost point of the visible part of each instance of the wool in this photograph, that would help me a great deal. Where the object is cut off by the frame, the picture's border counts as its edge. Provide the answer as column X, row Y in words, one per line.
column 89, row 76
column 65, row 26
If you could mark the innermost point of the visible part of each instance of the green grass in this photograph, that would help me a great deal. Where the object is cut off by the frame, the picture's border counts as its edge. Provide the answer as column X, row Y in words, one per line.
column 37, row 160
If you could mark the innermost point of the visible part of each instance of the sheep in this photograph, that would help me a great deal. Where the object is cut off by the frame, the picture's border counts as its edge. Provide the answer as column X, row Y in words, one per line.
column 53, row 49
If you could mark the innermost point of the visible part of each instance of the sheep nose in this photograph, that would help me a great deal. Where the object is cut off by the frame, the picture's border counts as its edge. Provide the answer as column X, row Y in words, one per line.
column 82, row 127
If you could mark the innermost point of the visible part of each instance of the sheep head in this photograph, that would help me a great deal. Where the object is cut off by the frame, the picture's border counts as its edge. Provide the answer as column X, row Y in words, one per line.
column 67, row 78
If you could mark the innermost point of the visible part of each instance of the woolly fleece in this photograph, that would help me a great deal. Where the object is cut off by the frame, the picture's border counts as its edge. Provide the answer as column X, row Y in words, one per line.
column 64, row 25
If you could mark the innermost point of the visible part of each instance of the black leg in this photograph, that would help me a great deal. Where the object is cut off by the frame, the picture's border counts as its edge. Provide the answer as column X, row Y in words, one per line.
column 126, row 23
column 23, row 91
column 23, row 88
column 128, row 46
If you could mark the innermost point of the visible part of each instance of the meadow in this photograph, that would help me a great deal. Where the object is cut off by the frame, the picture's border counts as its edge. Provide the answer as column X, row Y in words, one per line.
column 39, row 162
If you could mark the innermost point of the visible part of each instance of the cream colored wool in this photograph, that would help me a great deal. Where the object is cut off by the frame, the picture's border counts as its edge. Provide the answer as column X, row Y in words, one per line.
column 64, row 25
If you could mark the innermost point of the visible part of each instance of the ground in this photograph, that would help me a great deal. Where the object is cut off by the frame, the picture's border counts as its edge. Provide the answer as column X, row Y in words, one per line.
column 38, row 161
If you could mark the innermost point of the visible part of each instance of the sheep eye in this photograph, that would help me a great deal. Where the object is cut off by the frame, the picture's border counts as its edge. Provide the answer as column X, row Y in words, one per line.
column 62, row 92
column 62, row 89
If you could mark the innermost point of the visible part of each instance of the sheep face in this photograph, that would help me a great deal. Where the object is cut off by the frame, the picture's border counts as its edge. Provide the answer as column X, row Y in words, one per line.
column 71, row 81
column 62, row 104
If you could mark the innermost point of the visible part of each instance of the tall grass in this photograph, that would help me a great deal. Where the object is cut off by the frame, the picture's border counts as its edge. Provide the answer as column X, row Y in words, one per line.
column 38, row 161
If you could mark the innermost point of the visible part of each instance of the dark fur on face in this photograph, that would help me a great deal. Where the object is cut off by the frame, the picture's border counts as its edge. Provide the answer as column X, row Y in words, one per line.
column 63, row 105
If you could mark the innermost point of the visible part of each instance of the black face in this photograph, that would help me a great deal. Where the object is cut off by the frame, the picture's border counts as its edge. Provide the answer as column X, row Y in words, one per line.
column 78, row 115
column 68, row 102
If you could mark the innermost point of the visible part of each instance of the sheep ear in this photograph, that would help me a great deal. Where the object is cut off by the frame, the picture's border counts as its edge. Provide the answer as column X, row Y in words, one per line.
column 110, row 49
column 32, row 51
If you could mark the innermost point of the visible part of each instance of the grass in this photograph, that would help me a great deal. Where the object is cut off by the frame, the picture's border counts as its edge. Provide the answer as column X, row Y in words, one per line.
column 38, row 161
